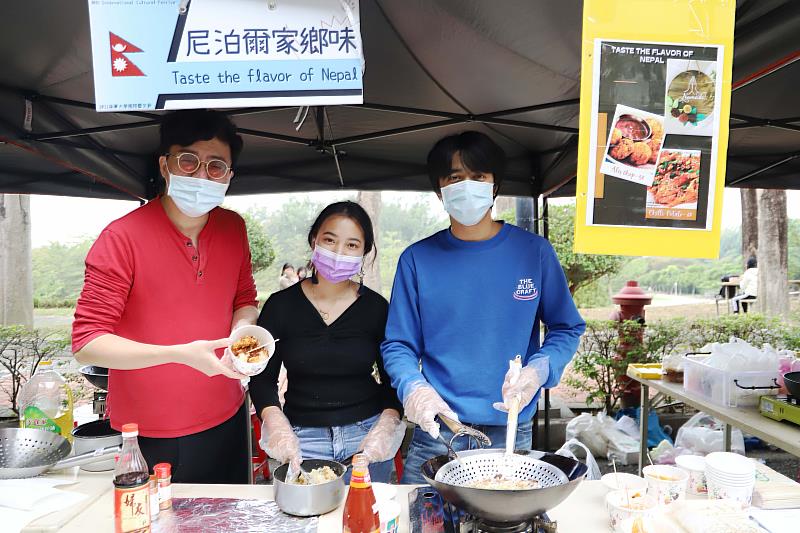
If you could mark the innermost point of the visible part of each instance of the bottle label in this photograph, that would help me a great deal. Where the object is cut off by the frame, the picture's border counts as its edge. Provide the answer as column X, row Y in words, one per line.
column 360, row 479
column 35, row 418
column 132, row 507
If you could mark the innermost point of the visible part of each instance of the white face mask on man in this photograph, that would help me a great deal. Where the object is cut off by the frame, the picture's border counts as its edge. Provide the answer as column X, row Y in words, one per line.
column 195, row 197
column 468, row 201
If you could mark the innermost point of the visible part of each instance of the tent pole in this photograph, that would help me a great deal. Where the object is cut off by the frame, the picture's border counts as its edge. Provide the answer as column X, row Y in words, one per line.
column 546, row 235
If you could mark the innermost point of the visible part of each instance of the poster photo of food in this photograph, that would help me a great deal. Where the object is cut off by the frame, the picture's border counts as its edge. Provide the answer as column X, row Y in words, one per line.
column 674, row 192
column 652, row 164
column 690, row 98
column 633, row 145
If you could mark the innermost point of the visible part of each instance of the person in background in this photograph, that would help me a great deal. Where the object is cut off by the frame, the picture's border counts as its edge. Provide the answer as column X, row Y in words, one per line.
column 459, row 313
column 158, row 282
column 302, row 273
column 288, row 277
column 748, row 286
column 338, row 399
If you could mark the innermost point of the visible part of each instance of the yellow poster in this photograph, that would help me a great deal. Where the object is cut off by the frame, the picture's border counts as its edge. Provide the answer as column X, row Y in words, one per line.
column 655, row 106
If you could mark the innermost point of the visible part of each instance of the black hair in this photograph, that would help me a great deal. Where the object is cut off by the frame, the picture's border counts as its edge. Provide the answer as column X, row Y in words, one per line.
column 285, row 266
column 752, row 262
column 479, row 153
column 354, row 212
column 304, row 269
column 188, row 126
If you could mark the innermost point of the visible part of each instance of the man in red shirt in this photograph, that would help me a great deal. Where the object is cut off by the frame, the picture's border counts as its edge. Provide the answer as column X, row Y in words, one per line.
column 158, row 280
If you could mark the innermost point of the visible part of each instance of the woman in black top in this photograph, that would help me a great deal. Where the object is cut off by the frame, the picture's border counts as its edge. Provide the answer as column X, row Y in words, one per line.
column 330, row 329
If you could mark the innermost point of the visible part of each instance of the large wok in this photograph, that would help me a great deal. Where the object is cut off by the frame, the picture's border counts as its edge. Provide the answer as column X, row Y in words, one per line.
column 96, row 375
column 508, row 506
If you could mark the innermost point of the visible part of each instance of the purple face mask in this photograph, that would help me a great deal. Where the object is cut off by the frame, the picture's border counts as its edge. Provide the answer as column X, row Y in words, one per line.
column 335, row 267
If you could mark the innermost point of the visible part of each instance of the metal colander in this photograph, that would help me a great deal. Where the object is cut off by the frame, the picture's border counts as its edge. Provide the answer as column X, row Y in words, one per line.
column 29, row 452
column 467, row 470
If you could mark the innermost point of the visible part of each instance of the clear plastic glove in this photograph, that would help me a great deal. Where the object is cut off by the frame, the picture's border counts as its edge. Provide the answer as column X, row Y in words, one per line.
column 278, row 439
column 526, row 387
column 384, row 439
column 423, row 404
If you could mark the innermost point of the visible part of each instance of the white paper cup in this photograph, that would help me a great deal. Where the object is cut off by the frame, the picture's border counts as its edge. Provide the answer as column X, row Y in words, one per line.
column 243, row 367
column 726, row 491
column 389, row 515
column 695, row 466
column 623, row 480
column 623, row 510
column 666, row 483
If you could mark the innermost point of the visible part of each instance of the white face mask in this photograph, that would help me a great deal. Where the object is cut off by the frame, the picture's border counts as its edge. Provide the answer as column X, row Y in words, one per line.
column 467, row 201
column 195, row 196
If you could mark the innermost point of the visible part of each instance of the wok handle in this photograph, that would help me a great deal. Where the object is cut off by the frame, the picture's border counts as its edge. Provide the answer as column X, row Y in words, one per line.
column 88, row 457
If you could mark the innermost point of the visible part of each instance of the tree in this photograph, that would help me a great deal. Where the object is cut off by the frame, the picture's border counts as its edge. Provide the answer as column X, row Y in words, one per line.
column 58, row 271
column 749, row 223
column 580, row 269
column 773, row 253
column 371, row 202
column 16, row 284
column 261, row 253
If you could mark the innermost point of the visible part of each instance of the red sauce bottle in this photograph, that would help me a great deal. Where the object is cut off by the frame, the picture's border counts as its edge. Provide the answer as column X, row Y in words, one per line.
column 359, row 516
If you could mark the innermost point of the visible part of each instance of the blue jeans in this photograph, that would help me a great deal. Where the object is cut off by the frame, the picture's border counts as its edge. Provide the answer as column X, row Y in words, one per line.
column 340, row 443
column 424, row 447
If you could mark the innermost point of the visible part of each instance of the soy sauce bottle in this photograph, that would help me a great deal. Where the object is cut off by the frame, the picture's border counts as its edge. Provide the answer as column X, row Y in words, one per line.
column 131, row 486
column 359, row 515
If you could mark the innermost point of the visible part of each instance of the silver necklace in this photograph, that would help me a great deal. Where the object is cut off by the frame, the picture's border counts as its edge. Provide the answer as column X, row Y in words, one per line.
column 326, row 314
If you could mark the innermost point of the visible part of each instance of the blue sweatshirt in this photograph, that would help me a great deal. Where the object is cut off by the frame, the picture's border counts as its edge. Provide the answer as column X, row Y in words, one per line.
column 461, row 310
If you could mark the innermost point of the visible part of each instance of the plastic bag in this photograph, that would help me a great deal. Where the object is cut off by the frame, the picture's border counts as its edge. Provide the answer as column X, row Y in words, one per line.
column 703, row 434
column 655, row 434
column 622, row 448
column 628, row 425
column 567, row 451
column 587, row 429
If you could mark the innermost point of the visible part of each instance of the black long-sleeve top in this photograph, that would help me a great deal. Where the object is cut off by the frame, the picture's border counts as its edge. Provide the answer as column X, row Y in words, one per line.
column 329, row 367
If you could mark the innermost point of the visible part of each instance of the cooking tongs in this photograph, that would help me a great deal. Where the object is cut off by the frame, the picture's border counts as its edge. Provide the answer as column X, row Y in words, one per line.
column 460, row 430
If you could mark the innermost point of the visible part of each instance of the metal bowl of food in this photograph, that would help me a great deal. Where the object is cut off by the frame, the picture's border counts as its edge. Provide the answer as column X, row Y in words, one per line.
column 310, row 499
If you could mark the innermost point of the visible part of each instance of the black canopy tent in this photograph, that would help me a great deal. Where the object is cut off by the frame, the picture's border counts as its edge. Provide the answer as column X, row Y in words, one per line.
column 433, row 67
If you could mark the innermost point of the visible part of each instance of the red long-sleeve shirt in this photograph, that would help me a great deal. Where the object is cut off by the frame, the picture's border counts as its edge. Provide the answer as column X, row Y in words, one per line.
column 146, row 282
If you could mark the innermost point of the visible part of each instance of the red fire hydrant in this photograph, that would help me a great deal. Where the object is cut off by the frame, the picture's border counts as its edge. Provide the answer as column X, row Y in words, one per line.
column 631, row 300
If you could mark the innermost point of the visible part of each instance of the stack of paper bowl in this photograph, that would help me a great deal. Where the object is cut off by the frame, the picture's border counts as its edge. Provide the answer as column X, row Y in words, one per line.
column 730, row 476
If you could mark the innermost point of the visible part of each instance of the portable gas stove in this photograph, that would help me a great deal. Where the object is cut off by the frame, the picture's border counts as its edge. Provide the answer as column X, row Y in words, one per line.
column 429, row 513
column 781, row 408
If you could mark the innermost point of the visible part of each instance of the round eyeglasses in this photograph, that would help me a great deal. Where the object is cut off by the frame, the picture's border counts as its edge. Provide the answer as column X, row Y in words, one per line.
column 189, row 163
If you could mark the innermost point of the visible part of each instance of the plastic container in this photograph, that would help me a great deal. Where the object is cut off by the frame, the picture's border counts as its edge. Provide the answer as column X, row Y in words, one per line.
column 45, row 402
column 725, row 388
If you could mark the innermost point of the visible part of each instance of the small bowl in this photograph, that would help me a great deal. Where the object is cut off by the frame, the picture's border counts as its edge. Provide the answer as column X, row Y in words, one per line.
column 623, row 480
column 622, row 516
column 666, row 483
column 309, row 500
column 263, row 337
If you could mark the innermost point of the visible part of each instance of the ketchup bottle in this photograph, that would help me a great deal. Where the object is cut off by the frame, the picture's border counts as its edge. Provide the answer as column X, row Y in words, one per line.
column 359, row 516
column 131, row 485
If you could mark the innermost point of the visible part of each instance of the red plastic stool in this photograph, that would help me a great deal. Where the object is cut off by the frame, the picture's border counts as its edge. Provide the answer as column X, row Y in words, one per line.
column 259, row 459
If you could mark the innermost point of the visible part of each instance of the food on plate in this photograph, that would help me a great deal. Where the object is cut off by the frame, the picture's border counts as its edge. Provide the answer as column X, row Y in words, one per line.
column 641, row 153
column 635, row 141
column 493, row 483
column 316, row 476
column 245, row 350
column 622, row 149
column 677, row 178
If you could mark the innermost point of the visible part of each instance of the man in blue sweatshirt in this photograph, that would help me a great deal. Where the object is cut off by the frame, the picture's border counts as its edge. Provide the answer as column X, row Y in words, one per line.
column 468, row 299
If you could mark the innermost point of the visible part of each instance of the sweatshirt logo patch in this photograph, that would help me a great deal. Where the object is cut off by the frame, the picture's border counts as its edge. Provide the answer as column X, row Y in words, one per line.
column 526, row 290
